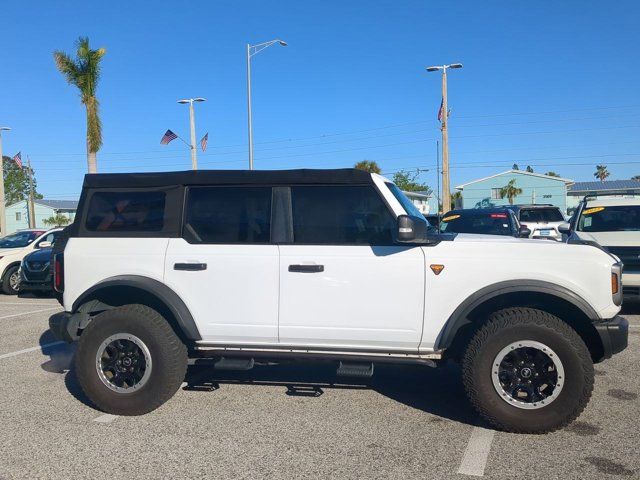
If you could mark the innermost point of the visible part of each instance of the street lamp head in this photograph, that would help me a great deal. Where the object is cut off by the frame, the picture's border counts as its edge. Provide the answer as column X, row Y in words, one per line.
column 433, row 69
column 283, row 43
column 199, row 99
column 455, row 65
column 184, row 101
column 5, row 128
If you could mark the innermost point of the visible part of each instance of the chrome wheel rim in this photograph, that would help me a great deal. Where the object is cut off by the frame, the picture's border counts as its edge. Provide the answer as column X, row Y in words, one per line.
column 14, row 281
column 527, row 374
column 123, row 363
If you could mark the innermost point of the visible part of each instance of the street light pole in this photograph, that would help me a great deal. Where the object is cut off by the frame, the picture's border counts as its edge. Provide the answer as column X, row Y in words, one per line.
column 251, row 51
column 444, row 119
column 3, row 217
column 192, row 126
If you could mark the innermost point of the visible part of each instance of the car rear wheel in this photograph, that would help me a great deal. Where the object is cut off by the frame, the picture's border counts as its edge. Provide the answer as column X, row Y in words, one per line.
column 11, row 281
column 130, row 361
column 527, row 371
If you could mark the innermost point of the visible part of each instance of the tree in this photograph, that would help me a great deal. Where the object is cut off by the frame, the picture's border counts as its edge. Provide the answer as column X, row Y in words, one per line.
column 406, row 181
column 510, row 191
column 58, row 220
column 601, row 172
column 515, row 167
column 370, row 166
column 84, row 73
column 529, row 169
column 16, row 182
column 636, row 178
column 552, row 174
column 456, row 199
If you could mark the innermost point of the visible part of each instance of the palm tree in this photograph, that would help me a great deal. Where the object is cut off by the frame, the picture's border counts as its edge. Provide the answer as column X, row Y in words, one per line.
column 601, row 172
column 552, row 174
column 84, row 73
column 58, row 220
column 370, row 166
column 510, row 191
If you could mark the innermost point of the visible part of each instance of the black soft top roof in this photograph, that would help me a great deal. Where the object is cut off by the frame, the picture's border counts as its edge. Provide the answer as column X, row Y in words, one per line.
column 228, row 177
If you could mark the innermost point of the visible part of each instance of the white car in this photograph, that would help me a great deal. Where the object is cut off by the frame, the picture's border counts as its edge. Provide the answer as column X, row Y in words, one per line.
column 614, row 223
column 14, row 247
column 240, row 267
column 542, row 220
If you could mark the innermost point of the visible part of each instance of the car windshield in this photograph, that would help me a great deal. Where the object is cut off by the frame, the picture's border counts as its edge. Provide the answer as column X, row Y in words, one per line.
column 407, row 204
column 540, row 215
column 18, row 239
column 619, row 218
column 476, row 222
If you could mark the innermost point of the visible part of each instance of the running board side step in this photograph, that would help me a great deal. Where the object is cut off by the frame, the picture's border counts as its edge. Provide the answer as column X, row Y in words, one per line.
column 351, row 369
column 348, row 356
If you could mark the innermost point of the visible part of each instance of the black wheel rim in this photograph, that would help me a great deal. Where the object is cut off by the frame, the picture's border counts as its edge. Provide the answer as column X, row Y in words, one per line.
column 528, row 374
column 123, row 363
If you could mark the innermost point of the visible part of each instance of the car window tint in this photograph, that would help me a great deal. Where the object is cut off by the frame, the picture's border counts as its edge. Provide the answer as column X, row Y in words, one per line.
column 126, row 212
column 623, row 218
column 228, row 215
column 340, row 215
column 536, row 215
column 488, row 224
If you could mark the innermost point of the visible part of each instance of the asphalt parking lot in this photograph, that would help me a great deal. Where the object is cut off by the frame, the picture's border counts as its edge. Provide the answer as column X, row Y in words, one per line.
column 292, row 421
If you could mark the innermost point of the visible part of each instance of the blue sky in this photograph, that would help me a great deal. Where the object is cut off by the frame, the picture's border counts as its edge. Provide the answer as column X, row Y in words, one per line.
column 550, row 84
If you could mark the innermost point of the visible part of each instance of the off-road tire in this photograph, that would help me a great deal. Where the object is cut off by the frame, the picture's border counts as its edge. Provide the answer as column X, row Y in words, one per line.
column 6, row 281
column 517, row 324
column 168, row 354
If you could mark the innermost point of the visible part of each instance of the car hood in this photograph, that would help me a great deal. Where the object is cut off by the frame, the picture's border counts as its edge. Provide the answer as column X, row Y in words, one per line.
column 612, row 239
column 40, row 255
column 477, row 237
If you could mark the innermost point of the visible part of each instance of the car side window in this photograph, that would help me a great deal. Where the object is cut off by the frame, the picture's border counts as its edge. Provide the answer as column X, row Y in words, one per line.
column 228, row 215
column 340, row 215
column 126, row 212
column 51, row 238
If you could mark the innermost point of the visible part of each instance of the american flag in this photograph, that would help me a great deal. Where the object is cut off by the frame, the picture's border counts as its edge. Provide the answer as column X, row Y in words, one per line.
column 440, row 110
column 18, row 159
column 203, row 142
column 168, row 137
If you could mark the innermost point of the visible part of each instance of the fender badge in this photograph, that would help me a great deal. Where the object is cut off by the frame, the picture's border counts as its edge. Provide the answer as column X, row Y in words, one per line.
column 436, row 268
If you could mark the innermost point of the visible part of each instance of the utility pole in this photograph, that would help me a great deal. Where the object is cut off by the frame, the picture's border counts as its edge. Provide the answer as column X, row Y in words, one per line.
column 32, row 209
column 251, row 51
column 192, row 127
column 3, row 217
column 444, row 119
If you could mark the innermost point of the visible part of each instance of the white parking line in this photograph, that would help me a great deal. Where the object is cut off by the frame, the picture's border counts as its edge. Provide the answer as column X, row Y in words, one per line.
column 477, row 452
column 27, row 350
column 106, row 418
column 29, row 313
column 27, row 303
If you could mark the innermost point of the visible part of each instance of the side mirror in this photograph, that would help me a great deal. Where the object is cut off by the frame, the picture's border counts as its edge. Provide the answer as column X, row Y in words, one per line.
column 44, row 244
column 411, row 229
column 524, row 232
column 564, row 228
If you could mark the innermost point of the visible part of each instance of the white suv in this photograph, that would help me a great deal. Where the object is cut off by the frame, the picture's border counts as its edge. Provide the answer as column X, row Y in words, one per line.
column 542, row 220
column 14, row 247
column 240, row 267
column 613, row 223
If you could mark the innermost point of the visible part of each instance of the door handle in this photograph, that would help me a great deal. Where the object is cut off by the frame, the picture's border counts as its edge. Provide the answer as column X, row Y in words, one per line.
column 190, row 267
column 306, row 268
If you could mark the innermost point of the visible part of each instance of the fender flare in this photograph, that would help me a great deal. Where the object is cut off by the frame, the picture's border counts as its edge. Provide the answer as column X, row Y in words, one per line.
column 163, row 293
column 459, row 317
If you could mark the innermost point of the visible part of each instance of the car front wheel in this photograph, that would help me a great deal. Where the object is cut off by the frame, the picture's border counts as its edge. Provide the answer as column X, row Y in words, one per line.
column 527, row 371
column 11, row 281
column 130, row 361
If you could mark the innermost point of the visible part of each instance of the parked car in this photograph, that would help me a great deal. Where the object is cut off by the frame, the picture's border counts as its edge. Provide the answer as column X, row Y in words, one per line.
column 35, row 269
column 238, row 267
column 613, row 223
column 13, row 248
column 486, row 221
column 542, row 219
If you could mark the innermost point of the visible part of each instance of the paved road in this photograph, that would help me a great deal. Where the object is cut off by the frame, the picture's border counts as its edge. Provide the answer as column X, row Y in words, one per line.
column 293, row 421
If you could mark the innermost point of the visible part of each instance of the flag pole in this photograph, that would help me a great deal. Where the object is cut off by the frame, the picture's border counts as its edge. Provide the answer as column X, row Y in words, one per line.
column 32, row 210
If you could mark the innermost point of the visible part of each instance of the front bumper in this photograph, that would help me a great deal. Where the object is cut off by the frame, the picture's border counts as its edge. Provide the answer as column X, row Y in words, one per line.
column 614, row 334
